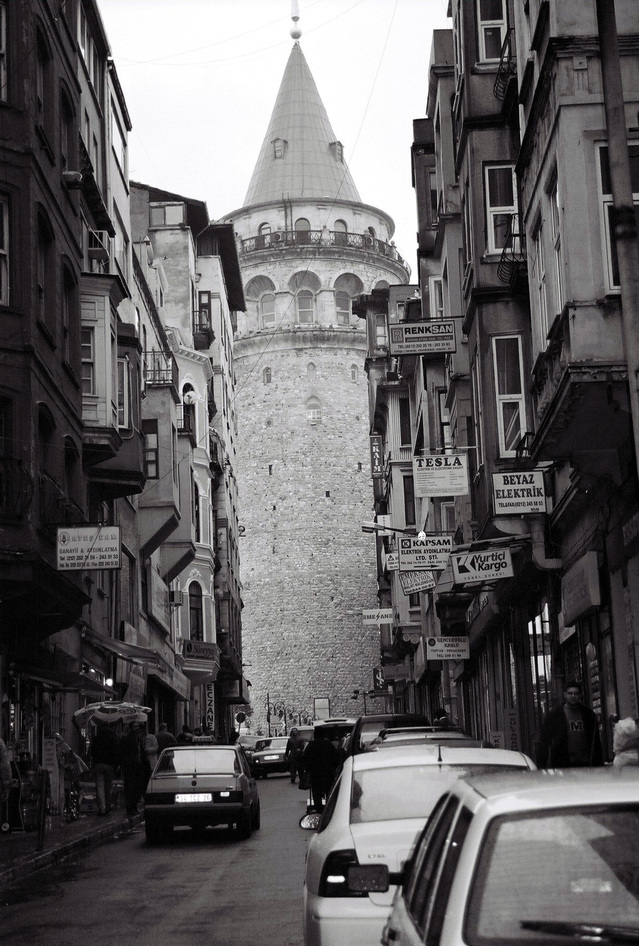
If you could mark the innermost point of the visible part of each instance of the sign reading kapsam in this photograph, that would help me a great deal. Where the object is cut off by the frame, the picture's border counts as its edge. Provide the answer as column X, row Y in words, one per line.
column 424, row 554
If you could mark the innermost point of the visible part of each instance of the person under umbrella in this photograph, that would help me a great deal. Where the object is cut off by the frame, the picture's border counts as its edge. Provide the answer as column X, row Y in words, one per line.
column 135, row 767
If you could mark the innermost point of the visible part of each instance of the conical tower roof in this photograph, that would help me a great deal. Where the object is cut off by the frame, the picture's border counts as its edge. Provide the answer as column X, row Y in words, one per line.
column 300, row 156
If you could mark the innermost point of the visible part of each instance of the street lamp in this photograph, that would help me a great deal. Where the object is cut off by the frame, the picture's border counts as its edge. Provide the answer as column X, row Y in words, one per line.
column 380, row 527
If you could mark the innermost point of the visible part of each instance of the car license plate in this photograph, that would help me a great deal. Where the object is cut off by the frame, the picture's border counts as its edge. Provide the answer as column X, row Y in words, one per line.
column 193, row 797
column 271, row 758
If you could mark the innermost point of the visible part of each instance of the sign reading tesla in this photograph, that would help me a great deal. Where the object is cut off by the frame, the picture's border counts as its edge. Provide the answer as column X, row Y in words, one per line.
column 421, row 338
column 442, row 475
column 424, row 554
column 448, row 648
column 487, row 565
column 82, row 547
column 519, row 493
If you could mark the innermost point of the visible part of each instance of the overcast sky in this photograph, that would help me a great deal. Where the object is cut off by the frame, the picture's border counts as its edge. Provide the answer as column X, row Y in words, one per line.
column 200, row 78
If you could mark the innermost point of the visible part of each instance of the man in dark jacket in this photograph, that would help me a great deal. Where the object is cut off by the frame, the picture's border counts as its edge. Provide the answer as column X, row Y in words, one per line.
column 570, row 734
column 320, row 759
column 135, row 768
column 105, row 758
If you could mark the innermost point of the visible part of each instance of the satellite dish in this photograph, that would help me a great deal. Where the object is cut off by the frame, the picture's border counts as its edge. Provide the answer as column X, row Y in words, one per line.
column 190, row 397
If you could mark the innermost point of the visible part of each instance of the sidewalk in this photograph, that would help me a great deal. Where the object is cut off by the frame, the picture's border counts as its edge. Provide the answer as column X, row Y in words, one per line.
column 19, row 856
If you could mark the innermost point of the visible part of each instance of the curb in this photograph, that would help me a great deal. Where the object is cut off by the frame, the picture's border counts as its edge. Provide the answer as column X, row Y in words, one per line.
column 33, row 862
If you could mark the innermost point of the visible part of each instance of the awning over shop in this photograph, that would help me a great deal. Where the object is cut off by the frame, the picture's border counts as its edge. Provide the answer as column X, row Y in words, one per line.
column 64, row 679
column 122, row 649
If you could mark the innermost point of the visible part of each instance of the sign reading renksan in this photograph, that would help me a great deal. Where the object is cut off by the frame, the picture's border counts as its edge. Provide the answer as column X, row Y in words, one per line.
column 442, row 475
column 519, row 493
column 424, row 554
column 420, row 338
column 94, row 547
column 487, row 565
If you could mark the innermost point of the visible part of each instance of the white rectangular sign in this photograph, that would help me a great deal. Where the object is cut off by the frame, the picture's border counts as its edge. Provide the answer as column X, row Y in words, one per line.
column 442, row 475
column 412, row 582
column 448, row 648
column 420, row 338
column 392, row 561
column 378, row 616
column 519, row 493
column 426, row 554
column 90, row 547
column 487, row 565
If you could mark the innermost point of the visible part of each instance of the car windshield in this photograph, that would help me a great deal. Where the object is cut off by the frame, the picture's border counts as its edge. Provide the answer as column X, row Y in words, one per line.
column 203, row 761
column 542, row 877
column 408, row 791
column 278, row 742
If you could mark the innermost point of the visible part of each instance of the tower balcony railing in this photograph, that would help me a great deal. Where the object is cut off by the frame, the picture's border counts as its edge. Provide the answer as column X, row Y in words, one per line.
column 324, row 237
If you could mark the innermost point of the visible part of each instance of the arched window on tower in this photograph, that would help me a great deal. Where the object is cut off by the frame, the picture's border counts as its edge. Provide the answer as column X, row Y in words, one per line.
column 302, row 230
column 354, row 373
column 196, row 612
column 266, row 376
column 305, row 307
column 341, row 232
column 343, row 307
column 267, row 309
column 313, row 411
column 311, row 371
column 264, row 236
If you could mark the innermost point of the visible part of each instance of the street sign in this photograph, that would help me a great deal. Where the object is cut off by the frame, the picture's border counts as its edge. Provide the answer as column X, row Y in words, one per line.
column 441, row 475
column 448, row 648
column 412, row 582
column 378, row 616
column 90, row 547
column 519, row 493
column 426, row 554
column 487, row 565
column 378, row 679
column 420, row 338
column 377, row 456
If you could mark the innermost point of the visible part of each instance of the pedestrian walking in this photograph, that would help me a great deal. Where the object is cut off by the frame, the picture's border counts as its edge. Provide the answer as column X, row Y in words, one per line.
column 151, row 748
column 164, row 737
column 294, row 752
column 321, row 760
column 6, row 776
column 105, row 759
column 570, row 734
column 625, row 743
column 185, row 736
column 135, row 767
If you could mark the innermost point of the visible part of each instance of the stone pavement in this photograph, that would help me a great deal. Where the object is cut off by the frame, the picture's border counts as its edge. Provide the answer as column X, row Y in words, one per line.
column 20, row 857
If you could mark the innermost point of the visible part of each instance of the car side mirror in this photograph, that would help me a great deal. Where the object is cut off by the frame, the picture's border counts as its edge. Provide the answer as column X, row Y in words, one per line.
column 368, row 878
column 310, row 822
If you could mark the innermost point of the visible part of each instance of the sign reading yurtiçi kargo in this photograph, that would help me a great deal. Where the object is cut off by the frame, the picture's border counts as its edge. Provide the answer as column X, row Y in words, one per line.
column 81, row 547
column 487, row 565
column 426, row 554
column 421, row 338
column 442, row 475
column 413, row 582
column 519, row 493
column 448, row 648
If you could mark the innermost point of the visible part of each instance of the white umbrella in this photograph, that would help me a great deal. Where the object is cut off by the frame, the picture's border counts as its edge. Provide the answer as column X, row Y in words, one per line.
column 110, row 712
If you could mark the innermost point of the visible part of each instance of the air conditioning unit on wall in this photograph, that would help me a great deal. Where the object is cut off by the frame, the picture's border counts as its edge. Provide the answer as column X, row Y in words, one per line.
column 176, row 599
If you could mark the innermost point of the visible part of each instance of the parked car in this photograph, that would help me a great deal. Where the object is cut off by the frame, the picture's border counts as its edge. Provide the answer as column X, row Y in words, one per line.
column 372, row 818
column 368, row 727
column 248, row 743
column 549, row 858
column 269, row 756
column 199, row 786
column 335, row 728
column 448, row 735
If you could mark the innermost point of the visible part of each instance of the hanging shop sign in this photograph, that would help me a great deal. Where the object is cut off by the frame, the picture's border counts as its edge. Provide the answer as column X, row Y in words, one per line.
column 378, row 616
column 447, row 648
column 412, row 582
column 431, row 552
column 377, row 456
column 90, row 547
column 580, row 592
column 487, row 565
column 392, row 561
column 442, row 475
column 421, row 338
column 519, row 493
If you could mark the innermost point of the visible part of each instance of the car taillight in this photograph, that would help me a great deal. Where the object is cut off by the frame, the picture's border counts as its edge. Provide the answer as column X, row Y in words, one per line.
column 334, row 879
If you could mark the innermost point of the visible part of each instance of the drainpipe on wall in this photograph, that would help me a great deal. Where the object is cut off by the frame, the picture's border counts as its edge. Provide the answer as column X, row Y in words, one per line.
column 533, row 528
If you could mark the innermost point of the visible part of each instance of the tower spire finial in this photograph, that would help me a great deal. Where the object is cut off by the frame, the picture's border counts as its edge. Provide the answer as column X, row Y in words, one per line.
column 295, row 15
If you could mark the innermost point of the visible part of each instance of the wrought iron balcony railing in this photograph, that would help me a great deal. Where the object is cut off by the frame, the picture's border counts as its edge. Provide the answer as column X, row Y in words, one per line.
column 507, row 66
column 513, row 255
column 16, row 488
column 335, row 238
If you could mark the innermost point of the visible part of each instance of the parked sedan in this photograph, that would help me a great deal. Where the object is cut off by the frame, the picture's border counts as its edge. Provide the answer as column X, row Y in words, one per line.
column 539, row 860
column 269, row 756
column 200, row 786
column 369, row 727
column 373, row 815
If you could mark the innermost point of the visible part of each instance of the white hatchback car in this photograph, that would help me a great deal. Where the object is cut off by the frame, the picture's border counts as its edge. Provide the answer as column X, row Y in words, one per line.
column 540, row 860
column 372, row 818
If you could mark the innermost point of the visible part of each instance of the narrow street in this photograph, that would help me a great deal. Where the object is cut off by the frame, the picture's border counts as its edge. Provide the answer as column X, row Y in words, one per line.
column 213, row 889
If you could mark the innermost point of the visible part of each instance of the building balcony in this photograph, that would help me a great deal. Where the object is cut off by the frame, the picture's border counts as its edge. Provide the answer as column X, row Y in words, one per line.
column 201, row 661
column 512, row 269
column 16, row 489
column 36, row 600
column 505, row 87
column 329, row 239
column 203, row 334
column 55, row 507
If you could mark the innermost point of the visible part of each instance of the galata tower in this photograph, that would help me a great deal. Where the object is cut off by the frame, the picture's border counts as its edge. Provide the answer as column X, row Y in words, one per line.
column 308, row 246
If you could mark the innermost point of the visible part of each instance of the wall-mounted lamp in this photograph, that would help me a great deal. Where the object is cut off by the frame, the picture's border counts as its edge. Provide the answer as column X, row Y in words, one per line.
column 380, row 527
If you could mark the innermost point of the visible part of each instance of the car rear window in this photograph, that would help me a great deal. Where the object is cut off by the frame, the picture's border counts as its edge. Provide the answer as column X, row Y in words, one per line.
column 203, row 761
column 408, row 791
column 555, row 869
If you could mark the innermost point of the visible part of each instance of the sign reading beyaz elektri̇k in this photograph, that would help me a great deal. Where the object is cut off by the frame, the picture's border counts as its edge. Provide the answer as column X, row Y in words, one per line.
column 519, row 493
column 421, row 338
column 442, row 475
column 425, row 554
column 487, row 565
